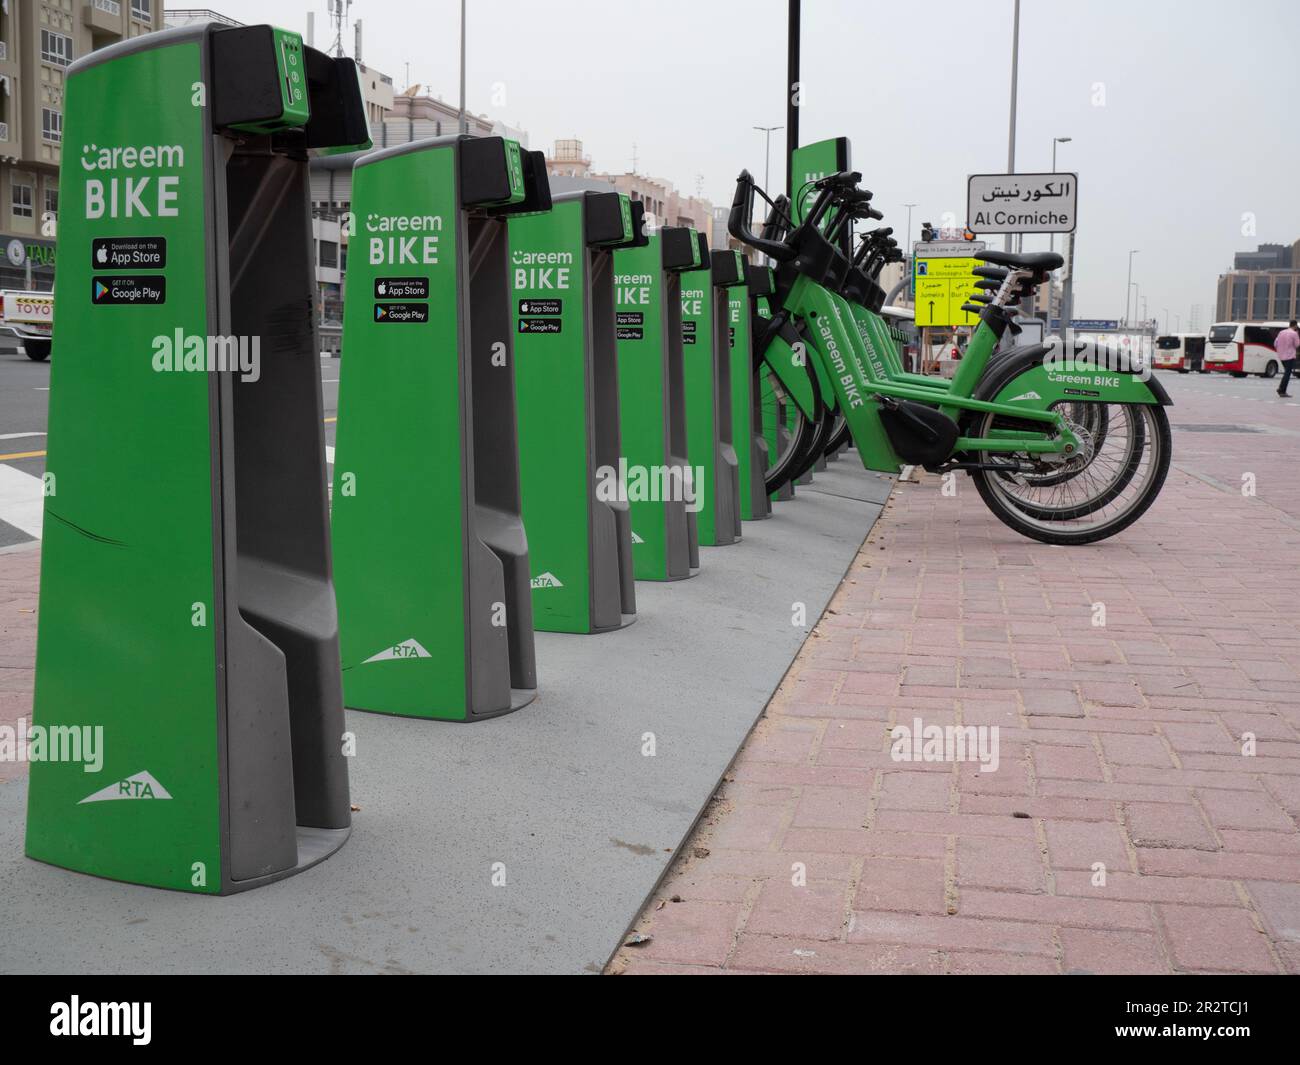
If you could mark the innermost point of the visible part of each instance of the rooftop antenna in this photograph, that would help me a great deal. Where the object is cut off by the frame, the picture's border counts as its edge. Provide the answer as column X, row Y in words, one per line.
column 339, row 11
column 634, row 157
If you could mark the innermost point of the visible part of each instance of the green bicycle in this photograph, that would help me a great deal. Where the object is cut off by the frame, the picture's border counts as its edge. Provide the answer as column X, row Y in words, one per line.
column 1063, row 451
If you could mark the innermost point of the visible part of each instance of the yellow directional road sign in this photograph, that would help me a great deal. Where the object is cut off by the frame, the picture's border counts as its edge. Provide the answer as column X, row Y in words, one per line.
column 942, row 286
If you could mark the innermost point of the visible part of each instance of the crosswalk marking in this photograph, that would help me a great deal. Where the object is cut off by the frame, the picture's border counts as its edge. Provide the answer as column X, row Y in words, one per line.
column 22, row 500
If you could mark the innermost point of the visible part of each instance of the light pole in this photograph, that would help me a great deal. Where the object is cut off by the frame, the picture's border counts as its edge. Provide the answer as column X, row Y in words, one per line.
column 907, row 245
column 1129, row 286
column 767, row 166
column 463, row 124
column 1051, row 240
column 1166, row 310
column 793, row 18
column 1015, row 70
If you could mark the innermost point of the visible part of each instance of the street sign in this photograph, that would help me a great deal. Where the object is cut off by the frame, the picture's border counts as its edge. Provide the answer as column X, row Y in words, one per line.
column 942, row 281
column 1091, row 325
column 1022, row 203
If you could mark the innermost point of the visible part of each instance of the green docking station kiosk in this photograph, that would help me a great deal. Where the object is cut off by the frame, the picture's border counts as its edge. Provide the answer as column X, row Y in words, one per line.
column 187, row 615
column 435, row 611
column 752, row 455
column 709, row 415
column 652, row 404
column 566, row 380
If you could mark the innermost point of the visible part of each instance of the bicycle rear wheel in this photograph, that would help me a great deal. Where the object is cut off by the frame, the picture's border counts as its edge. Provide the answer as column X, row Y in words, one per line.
column 791, row 434
column 1106, row 493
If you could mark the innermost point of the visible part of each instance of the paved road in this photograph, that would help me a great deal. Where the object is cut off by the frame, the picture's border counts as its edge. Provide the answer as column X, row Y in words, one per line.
column 24, row 396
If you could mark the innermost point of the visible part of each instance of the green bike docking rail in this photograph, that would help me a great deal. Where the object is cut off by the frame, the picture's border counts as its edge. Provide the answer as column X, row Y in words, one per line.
column 435, row 610
column 652, row 404
column 187, row 615
column 707, row 364
column 752, row 455
column 566, row 383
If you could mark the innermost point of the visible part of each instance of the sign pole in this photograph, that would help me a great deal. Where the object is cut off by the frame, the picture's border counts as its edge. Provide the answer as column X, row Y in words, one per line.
column 1015, row 69
column 791, row 99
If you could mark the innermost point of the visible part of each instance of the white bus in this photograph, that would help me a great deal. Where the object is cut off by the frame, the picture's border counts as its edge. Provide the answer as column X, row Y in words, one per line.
column 1184, row 352
column 1241, row 348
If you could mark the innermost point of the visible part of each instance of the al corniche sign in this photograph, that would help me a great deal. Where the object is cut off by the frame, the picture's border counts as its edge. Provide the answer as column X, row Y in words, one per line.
column 1022, row 203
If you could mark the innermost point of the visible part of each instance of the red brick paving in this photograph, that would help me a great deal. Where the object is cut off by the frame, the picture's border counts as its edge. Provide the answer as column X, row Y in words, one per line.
column 1121, row 746
column 19, row 578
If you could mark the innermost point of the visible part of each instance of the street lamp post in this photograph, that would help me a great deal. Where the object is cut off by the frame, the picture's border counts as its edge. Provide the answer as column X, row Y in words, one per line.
column 1051, row 240
column 767, row 165
column 463, row 124
column 1166, row 310
column 907, row 245
column 1015, row 73
column 1129, row 286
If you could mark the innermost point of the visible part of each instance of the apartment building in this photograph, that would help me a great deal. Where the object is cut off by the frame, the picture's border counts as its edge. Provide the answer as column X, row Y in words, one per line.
column 1262, row 286
column 38, row 40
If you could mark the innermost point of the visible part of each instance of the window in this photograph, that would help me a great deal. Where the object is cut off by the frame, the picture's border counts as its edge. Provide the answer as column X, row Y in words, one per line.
column 52, row 202
column 142, row 10
column 1223, row 334
column 1261, row 334
column 1260, row 306
column 56, row 48
column 51, row 125
column 1282, row 299
column 21, row 200
column 329, row 255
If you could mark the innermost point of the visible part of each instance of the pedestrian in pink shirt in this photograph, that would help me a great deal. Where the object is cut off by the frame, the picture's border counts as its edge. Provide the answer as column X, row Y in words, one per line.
column 1285, row 345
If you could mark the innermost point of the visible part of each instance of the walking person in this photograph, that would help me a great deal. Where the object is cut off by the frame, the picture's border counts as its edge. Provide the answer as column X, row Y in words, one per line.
column 1285, row 345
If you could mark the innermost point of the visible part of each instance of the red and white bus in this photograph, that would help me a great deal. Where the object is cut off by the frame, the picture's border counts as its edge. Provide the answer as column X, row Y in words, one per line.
column 1242, row 348
column 1184, row 352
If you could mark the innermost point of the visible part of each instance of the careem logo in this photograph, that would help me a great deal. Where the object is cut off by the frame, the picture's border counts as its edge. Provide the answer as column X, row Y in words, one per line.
column 129, row 157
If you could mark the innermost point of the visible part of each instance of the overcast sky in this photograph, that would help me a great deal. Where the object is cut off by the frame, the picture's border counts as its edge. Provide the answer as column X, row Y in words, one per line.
column 1183, row 113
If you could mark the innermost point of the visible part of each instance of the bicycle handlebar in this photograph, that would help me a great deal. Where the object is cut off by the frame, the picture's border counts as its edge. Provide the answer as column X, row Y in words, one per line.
column 742, row 210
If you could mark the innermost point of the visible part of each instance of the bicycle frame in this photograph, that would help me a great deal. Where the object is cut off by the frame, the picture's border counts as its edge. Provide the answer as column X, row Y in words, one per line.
column 841, row 355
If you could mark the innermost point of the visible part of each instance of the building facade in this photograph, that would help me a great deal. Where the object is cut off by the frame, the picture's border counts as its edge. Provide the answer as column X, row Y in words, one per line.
column 570, row 167
column 1262, row 286
column 38, row 40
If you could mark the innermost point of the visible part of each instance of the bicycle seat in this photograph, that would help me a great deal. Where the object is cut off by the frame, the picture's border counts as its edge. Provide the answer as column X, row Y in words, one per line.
column 1029, row 260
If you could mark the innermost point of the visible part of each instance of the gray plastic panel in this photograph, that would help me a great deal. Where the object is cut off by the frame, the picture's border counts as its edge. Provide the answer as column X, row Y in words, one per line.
column 613, row 591
column 726, row 494
column 683, row 553
column 502, row 660
column 284, row 766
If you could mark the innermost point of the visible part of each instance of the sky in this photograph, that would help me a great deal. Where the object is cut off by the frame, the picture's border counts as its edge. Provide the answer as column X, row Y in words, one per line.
column 1181, row 113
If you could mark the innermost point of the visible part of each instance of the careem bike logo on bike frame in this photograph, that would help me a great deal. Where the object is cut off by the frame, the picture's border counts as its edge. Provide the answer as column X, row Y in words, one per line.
column 147, row 196
column 837, row 357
